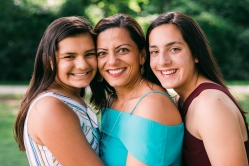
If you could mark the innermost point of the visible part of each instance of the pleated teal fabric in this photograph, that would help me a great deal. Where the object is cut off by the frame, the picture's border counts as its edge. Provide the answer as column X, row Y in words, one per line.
column 148, row 141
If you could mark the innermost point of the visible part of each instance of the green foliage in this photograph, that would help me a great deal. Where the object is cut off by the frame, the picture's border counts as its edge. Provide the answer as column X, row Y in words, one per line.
column 21, row 31
column 23, row 22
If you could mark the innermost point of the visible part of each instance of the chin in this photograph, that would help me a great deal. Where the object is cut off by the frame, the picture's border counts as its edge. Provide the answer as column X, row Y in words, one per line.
column 82, row 85
column 168, row 85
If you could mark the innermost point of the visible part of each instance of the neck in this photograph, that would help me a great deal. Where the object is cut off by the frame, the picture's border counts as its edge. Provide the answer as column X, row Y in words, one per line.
column 124, row 91
column 65, row 90
column 122, row 101
column 187, row 90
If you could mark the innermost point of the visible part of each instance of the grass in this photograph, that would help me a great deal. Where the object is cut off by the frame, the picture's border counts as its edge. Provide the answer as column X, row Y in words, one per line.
column 9, row 153
column 234, row 82
column 244, row 102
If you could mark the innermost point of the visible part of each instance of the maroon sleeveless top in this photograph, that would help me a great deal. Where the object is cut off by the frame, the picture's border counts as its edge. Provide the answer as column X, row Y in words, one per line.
column 194, row 153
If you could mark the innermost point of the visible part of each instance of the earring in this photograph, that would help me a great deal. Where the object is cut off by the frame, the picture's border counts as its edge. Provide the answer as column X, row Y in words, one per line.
column 99, row 78
column 142, row 70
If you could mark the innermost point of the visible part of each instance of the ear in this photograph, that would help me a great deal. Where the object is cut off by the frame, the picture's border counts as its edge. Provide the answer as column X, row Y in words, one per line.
column 196, row 60
column 142, row 56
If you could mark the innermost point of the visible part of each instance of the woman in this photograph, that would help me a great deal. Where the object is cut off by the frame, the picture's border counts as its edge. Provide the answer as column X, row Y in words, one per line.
column 140, row 125
column 54, row 124
column 215, row 127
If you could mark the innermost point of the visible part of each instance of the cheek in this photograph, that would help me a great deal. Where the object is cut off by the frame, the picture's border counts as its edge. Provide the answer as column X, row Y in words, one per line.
column 100, row 63
column 152, row 63
column 93, row 63
column 61, row 67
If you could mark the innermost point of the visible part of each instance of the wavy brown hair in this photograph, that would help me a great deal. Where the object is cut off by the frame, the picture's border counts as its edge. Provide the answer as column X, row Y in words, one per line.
column 43, row 75
column 136, row 34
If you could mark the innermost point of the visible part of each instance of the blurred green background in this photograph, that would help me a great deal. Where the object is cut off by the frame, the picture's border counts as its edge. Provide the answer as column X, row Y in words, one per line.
column 23, row 22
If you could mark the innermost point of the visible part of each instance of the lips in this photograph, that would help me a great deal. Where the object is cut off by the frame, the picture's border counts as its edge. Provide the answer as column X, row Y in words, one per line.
column 116, row 71
column 79, row 74
column 168, row 72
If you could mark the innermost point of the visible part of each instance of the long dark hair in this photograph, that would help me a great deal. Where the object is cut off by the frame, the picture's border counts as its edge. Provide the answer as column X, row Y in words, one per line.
column 197, row 42
column 43, row 75
column 136, row 34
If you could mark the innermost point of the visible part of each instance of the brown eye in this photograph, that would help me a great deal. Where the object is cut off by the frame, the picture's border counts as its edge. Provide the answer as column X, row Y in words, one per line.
column 174, row 49
column 101, row 54
column 153, row 52
column 123, row 50
column 69, row 57
column 91, row 54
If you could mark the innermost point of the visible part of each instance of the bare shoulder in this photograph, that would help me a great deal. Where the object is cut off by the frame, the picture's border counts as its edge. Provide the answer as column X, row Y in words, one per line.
column 160, row 108
column 49, row 105
column 54, row 124
column 215, row 118
column 49, row 115
column 53, row 110
column 214, row 110
column 213, row 100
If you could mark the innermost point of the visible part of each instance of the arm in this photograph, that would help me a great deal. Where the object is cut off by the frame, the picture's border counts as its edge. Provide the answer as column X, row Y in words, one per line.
column 218, row 124
column 131, row 161
column 55, row 125
column 159, row 108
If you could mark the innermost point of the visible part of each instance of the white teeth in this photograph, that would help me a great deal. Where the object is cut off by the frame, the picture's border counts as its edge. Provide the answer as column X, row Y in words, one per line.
column 116, row 71
column 80, row 74
column 168, row 72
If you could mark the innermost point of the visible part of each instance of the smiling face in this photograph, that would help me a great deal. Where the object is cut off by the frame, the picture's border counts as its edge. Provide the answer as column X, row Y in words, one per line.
column 76, row 61
column 171, row 59
column 119, row 59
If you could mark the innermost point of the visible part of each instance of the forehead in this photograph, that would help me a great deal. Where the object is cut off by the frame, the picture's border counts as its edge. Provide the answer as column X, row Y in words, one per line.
column 114, row 35
column 166, row 32
column 78, row 42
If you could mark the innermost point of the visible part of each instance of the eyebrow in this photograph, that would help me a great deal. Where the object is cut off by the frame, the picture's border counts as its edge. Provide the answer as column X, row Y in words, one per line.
column 72, row 53
column 115, row 47
column 168, row 44
column 91, row 50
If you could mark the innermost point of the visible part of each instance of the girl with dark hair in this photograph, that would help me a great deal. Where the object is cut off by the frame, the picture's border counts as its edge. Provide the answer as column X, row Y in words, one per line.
column 216, row 131
column 140, row 124
column 54, row 124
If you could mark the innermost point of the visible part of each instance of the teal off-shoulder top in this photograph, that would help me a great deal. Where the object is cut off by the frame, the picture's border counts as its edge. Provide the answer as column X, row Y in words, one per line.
column 148, row 141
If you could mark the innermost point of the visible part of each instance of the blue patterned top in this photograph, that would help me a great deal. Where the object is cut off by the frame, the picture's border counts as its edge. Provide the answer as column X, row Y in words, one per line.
column 148, row 141
column 39, row 155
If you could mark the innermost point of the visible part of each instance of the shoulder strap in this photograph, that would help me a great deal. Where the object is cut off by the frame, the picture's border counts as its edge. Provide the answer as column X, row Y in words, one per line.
column 196, row 93
column 43, row 94
column 203, row 87
column 154, row 91
column 191, row 97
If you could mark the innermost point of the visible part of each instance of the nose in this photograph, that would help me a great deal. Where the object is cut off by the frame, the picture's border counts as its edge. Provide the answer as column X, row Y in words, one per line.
column 81, row 63
column 164, row 58
column 112, row 59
